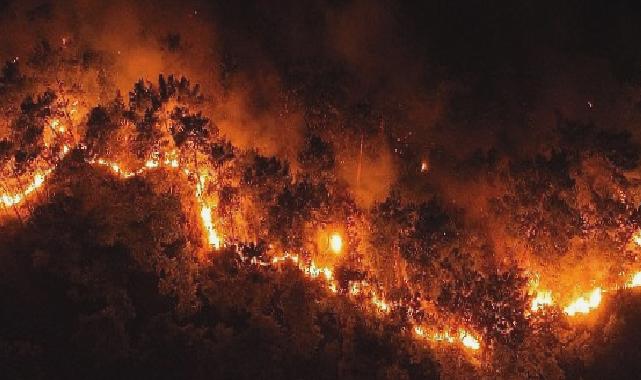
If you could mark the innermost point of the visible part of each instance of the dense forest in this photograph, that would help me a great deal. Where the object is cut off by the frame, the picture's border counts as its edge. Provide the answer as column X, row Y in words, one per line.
column 214, row 196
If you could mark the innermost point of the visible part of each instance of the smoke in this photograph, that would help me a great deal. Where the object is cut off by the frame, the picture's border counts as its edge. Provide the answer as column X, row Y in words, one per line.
column 256, row 113
column 432, row 82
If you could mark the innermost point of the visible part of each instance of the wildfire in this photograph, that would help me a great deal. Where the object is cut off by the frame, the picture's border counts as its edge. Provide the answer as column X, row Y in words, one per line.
column 583, row 305
column 214, row 240
column 361, row 291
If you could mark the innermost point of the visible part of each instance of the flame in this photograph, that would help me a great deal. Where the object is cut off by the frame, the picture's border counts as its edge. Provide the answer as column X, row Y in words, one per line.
column 418, row 330
column 584, row 305
column 464, row 337
column 380, row 303
column 213, row 238
column 313, row 271
column 354, row 288
column 200, row 186
column 171, row 161
column 212, row 235
column 152, row 163
column 443, row 336
column 9, row 200
column 468, row 340
column 38, row 180
column 336, row 243
column 636, row 280
column 636, row 237
column 57, row 126
column 542, row 299
column 425, row 166
column 359, row 290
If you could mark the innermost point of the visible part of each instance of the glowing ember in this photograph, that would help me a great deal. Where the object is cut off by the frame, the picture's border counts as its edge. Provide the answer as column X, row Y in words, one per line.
column 336, row 243
column 582, row 305
column 10, row 200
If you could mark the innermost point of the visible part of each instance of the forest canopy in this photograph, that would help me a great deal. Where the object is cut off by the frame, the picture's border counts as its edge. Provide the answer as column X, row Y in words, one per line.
column 338, row 189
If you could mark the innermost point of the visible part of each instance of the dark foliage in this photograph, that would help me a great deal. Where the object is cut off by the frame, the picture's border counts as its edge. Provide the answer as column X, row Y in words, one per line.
column 94, row 286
